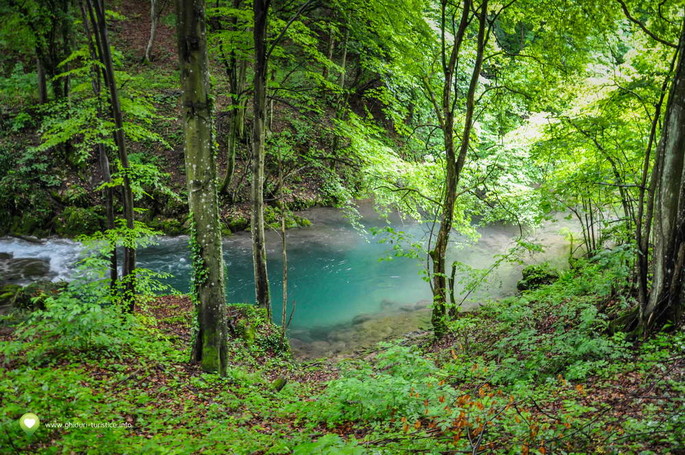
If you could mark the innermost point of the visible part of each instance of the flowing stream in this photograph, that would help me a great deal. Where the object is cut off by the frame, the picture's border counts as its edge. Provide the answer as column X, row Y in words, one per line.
column 343, row 281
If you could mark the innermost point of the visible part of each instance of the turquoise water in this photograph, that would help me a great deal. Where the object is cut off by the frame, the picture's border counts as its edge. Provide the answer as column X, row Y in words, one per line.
column 336, row 272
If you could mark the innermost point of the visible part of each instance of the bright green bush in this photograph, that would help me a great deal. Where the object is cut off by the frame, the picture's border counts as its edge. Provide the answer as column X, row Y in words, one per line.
column 395, row 386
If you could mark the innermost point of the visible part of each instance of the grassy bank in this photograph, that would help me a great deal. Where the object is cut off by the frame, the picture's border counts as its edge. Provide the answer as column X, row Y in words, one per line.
column 536, row 373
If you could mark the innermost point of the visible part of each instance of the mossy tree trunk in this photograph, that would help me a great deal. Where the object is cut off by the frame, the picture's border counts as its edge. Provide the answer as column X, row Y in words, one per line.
column 208, row 266
column 261, row 9
column 665, row 303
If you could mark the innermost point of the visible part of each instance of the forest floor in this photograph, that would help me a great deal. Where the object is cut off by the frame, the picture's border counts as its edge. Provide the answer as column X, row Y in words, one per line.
column 539, row 373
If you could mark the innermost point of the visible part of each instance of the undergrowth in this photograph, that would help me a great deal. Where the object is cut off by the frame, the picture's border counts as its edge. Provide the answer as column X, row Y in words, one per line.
column 537, row 373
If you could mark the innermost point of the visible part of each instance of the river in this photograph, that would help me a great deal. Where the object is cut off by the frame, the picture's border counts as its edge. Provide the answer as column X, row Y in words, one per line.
column 337, row 273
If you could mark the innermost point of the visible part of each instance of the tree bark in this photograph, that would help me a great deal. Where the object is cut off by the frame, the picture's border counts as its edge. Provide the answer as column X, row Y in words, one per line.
column 97, row 11
column 154, row 19
column 236, row 70
column 454, row 161
column 343, row 63
column 261, row 8
column 645, row 204
column 103, row 158
column 665, row 304
column 331, row 46
column 42, row 84
column 284, row 258
column 208, row 265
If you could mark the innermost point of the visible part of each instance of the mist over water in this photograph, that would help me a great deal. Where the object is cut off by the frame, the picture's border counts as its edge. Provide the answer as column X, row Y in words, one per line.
column 336, row 272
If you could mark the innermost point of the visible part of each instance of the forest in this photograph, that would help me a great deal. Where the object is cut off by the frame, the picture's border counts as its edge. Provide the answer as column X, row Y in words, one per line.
column 342, row 227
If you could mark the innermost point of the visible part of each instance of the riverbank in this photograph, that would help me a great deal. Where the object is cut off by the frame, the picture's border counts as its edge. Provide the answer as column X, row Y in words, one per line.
column 174, row 317
column 533, row 374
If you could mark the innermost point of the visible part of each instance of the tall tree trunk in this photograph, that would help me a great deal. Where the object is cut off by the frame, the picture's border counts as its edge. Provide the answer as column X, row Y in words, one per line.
column 284, row 249
column 665, row 304
column 284, row 258
column 645, row 204
column 97, row 11
column 236, row 70
column 454, row 161
column 208, row 265
column 103, row 158
column 261, row 8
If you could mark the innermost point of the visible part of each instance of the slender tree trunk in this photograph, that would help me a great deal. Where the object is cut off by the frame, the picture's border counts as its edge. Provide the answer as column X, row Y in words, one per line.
column 154, row 19
column 331, row 46
column 284, row 258
column 454, row 161
column 103, row 159
column 236, row 69
column 665, row 304
column 97, row 11
column 208, row 265
column 42, row 84
column 284, row 249
column 109, row 210
column 236, row 128
column 261, row 8
column 343, row 63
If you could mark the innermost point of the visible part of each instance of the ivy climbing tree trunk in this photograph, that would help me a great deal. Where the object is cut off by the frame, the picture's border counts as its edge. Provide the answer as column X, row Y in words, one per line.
column 454, row 159
column 96, row 10
column 261, row 9
column 666, row 300
column 208, row 266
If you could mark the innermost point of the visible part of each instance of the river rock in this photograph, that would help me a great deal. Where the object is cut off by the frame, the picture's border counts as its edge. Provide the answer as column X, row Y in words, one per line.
column 319, row 333
column 23, row 270
column 361, row 318
column 421, row 304
column 297, row 344
column 338, row 347
column 33, row 296
column 387, row 304
column 320, row 348
column 301, row 335
column 342, row 335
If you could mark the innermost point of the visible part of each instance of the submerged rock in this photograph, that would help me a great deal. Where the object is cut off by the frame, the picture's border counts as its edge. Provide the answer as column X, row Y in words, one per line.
column 362, row 333
column 388, row 304
column 23, row 270
column 361, row 318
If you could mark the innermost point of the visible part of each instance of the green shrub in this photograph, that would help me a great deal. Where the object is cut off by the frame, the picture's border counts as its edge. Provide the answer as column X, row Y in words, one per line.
column 396, row 386
column 537, row 275
column 75, row 221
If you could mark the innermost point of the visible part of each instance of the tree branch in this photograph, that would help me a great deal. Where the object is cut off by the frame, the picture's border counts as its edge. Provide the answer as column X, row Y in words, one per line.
column 642, row 26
